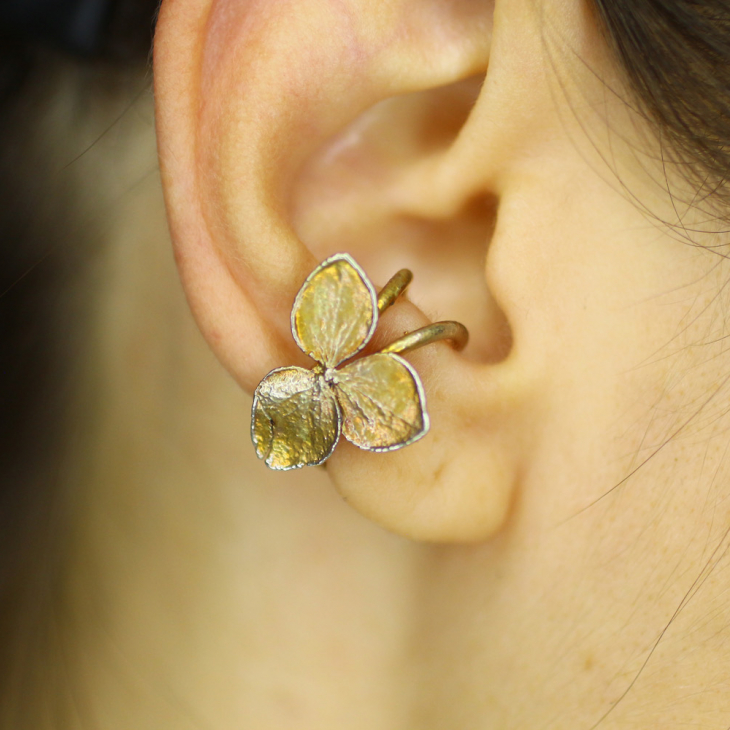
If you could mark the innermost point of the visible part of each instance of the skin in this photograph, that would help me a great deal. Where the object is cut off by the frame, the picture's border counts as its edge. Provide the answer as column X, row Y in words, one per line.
column 552, row 555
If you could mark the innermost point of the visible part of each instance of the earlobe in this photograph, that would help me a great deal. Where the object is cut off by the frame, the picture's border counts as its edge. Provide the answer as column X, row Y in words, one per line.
column 247, row 97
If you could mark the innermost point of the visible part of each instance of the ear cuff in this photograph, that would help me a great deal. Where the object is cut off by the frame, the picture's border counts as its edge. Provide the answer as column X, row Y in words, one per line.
column 377, row 402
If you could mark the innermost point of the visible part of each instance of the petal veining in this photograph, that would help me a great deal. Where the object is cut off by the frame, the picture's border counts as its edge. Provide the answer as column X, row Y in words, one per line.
column 335, row 312
column 296, row 419
column 382, row 402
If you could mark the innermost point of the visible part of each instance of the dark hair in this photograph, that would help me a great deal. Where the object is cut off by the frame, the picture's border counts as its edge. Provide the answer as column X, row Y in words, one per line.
column 676, row 55
column 43, row 241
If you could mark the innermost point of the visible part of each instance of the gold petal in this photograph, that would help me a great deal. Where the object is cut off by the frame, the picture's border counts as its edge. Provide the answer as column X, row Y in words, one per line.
column 335, row 312
column 296, row 419
column 382, row 402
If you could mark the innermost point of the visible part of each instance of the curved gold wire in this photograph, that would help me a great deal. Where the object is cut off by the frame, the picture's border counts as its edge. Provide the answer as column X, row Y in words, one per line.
column 393, row 289
column 454, row 331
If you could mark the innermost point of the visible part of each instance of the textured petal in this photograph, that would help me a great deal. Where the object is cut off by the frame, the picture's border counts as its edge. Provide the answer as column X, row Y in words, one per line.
column 335, row 312
column 382, row 401
column 296, row 420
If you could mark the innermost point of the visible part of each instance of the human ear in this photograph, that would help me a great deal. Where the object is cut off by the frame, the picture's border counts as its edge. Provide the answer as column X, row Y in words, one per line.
column 284, row 136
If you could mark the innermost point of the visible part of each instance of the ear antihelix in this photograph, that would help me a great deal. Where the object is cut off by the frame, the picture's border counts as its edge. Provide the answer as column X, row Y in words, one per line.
column 274, row 81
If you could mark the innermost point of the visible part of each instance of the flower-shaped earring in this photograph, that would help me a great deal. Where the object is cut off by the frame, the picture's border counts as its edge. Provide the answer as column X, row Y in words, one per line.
column 377, row 402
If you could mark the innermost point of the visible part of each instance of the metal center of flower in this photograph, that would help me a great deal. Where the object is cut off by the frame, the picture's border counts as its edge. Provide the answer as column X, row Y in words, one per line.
column 331, row 376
